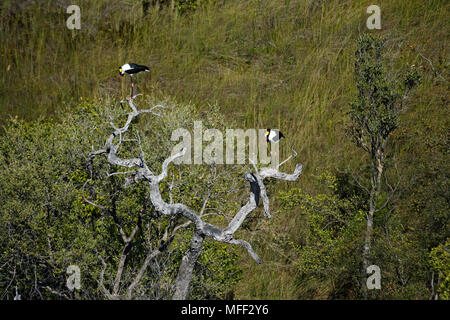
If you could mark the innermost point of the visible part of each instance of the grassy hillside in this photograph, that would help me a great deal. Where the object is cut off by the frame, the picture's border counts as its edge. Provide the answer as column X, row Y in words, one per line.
column 285, row 64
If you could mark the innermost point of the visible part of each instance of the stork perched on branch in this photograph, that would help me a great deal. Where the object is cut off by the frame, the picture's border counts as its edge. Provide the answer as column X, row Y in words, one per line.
column 132, row 69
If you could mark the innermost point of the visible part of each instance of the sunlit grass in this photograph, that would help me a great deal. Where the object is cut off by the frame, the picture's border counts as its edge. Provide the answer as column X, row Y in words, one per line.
column 281, row 64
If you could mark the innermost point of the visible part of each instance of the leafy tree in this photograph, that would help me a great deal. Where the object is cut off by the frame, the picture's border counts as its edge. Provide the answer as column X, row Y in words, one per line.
column 374, row 115
column 142, row 170
column 54, row 213
column 327, row 254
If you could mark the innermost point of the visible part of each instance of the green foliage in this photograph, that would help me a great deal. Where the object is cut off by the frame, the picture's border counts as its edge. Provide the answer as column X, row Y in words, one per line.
column 328, row 252
column 216, row 271
column 374, row 114
column 183, row 6
column 440, row 261
column 43, row 226
column 285, row 64
column 47, row 223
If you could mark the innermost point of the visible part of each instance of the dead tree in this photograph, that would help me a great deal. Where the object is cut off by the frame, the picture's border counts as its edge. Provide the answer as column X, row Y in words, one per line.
column 203, row 229
column 374, row 115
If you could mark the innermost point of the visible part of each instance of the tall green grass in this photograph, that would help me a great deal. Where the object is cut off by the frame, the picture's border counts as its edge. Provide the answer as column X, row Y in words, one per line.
column 285, row 64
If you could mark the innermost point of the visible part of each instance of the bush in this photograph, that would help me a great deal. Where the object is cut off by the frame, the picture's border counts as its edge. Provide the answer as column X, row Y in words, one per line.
column 46, row 224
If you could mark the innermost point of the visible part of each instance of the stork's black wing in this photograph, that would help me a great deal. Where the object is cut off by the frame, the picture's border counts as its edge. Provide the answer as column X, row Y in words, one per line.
column 138, row 67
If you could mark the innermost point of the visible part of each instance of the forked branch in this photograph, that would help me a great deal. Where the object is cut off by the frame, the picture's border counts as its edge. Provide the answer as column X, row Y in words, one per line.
column 202, row 229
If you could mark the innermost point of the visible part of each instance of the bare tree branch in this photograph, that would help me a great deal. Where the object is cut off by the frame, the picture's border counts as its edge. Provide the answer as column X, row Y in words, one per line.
column 105, row 291
column 202, row 228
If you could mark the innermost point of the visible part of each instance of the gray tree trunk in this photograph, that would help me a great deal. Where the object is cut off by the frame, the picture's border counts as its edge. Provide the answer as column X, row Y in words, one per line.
column 374, row 193
column 183, row 281
column 202, row 228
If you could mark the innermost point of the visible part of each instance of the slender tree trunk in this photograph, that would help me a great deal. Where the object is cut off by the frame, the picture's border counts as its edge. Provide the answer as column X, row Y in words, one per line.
column 150, row 256
column 123, row 258
column 374, row 193
column 187, row 267
column 366, row 252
